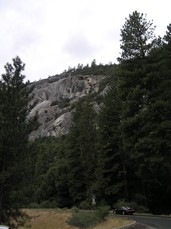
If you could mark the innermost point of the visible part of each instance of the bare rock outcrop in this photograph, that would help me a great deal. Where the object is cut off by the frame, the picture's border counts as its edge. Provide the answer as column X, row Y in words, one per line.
column 54, row 98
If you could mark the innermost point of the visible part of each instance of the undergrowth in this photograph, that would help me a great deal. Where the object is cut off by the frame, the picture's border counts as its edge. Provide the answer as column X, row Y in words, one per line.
column 85, row 219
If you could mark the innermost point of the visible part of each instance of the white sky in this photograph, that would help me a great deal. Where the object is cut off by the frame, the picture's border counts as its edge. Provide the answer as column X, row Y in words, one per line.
column 51, row 35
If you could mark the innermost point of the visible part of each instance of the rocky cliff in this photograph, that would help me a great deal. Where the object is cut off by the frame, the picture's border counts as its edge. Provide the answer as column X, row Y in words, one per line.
column 54, row 98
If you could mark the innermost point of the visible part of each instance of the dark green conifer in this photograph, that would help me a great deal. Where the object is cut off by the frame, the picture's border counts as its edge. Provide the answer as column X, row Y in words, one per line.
column 14, row 99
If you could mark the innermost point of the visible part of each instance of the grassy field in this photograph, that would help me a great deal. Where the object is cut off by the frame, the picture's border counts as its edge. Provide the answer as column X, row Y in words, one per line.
column 57, row 219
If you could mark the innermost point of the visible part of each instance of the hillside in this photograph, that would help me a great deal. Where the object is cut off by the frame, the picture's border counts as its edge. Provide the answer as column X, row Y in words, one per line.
column 55, row 98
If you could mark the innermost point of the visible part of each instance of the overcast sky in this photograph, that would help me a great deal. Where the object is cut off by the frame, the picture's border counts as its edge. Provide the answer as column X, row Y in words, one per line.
column 51, row 35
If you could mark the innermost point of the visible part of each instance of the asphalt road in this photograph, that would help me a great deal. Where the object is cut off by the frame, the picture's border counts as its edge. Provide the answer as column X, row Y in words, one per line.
column 149, row 221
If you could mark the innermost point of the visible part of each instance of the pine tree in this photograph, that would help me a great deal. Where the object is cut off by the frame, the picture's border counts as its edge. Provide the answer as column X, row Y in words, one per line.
column 137, row 40
column 137, row 37
column 49, row 169
column 14, row 99
column 145, row 111
column 82, row 152
column 110, row 172
column 166, row 122
column 155, row 137
column 153, row 142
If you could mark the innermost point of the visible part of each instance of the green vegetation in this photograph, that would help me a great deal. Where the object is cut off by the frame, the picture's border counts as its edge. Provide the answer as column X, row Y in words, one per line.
column 85, row 219
column 94, row 69
column 120, row 152
column 62, row 104
column 14, row 130
column 58, row 218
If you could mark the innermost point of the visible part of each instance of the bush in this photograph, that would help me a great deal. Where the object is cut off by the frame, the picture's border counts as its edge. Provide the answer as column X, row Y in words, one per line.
column 84, row 219
column 48, row 204
column 75, row 209
column 85, row 205
column 54, row 103
column 64, row 103
column 102, row 212
column 33, row 205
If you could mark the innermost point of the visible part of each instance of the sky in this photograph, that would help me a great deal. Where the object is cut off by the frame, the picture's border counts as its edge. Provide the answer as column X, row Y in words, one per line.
column 52, row 35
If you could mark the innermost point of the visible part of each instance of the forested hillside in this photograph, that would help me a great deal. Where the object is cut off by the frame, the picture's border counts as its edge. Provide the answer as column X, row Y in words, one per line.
column 55, row 97
column 121, row 151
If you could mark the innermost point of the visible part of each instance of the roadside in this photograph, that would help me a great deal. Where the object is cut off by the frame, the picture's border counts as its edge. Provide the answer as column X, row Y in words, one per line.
column 57, row 219
column 136, row 226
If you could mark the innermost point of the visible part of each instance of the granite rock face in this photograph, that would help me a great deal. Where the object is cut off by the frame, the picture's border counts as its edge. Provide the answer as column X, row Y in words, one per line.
column 54, row 98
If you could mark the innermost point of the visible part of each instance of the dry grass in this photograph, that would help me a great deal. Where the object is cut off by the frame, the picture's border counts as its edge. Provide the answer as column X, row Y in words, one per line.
column 112, row 223
column 48, row 219
column 57, row 219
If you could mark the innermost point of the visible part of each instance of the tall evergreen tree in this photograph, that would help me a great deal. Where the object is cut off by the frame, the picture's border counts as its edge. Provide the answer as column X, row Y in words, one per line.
column 49, row 178
column 137, row 40
column 82, row 152
column 145, row 109
column 137, row 37
column 166, row 124
column 156, row 139
column 167, row 37
column 14, row 99
column 110, row 172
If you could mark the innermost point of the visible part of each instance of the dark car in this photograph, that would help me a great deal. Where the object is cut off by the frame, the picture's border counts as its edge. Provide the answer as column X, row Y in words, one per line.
column 124, row 210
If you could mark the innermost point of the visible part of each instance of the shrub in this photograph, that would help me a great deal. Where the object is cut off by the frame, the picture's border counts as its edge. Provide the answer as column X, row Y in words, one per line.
column 48, row 204
column 84, row 219
column 85, row 205
column 33, row 205
column 54, row 103
column 102, row 212
column 75, row 209
column 64, row 103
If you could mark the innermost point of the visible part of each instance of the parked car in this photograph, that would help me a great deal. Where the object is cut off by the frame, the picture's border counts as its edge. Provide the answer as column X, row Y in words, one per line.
column 124, row 210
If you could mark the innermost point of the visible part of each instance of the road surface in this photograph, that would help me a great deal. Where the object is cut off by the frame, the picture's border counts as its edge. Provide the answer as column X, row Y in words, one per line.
column 149, row 221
